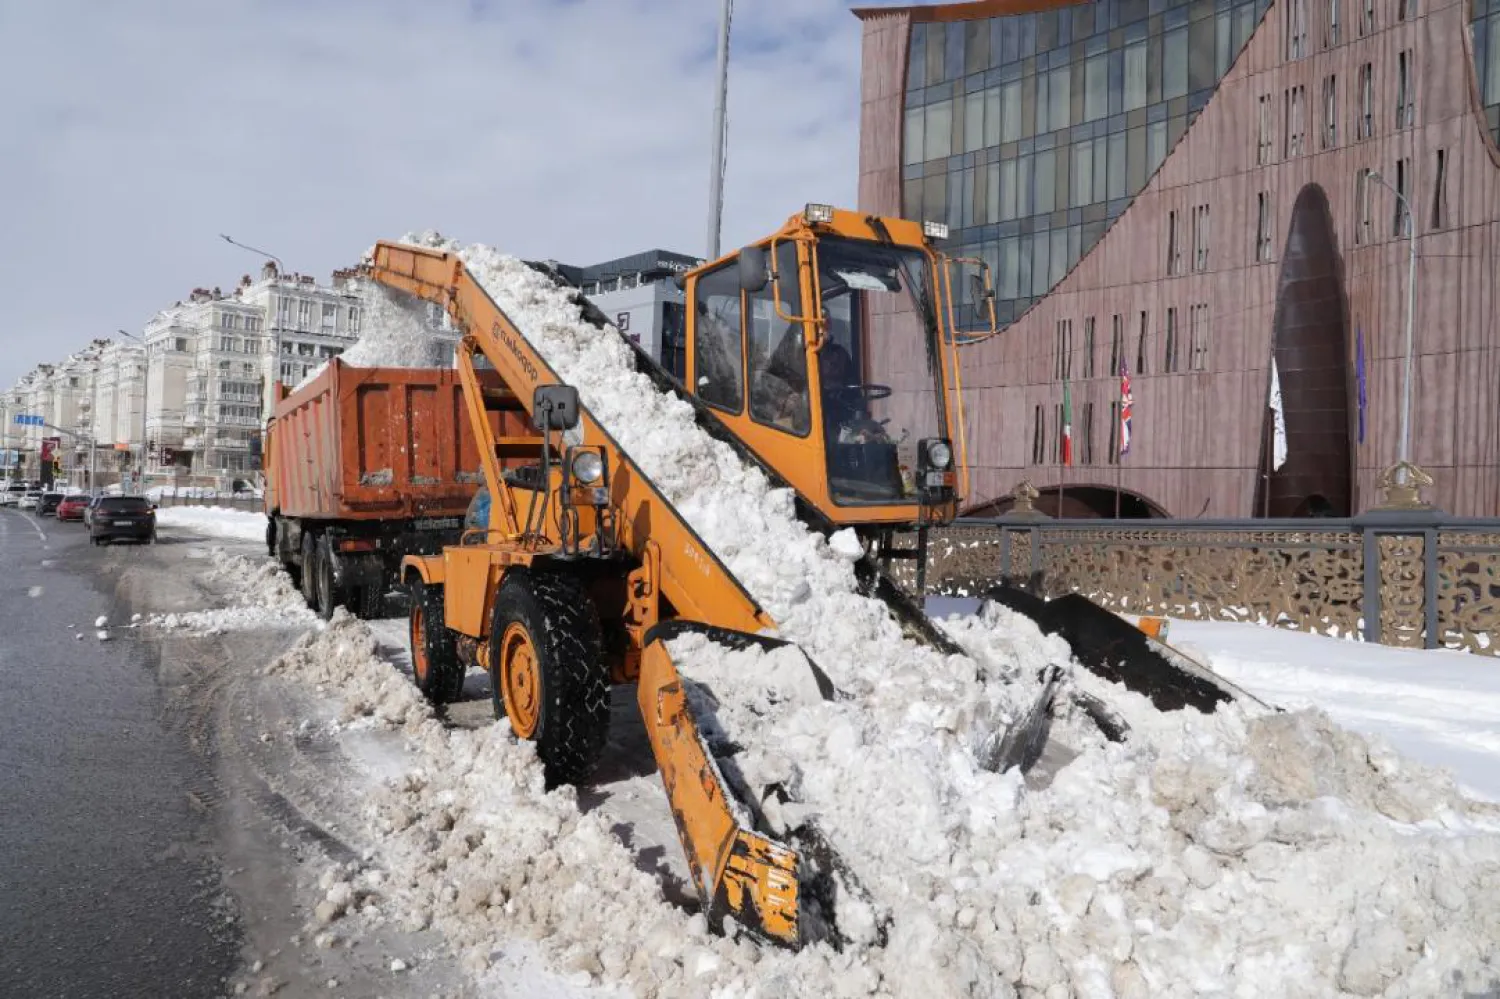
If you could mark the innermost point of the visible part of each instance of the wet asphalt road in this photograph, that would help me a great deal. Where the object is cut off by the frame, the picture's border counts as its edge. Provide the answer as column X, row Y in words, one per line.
column 107, row 888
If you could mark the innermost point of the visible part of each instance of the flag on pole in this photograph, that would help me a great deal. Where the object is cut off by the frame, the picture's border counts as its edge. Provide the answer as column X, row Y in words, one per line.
column 1067, row 425
column 1125, row 406
column 1278, row 446
column 1359, row 374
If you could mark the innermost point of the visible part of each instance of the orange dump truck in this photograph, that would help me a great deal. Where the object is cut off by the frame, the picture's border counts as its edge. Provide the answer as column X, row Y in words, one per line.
column 365, row 466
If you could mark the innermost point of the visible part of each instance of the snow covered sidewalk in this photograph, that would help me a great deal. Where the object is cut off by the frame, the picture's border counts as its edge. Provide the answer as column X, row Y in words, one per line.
column 214, row 521
column 1438, row 706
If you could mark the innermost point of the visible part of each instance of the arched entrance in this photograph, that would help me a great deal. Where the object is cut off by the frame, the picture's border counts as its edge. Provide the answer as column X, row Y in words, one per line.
column 1078, row 502
column 1310, row 344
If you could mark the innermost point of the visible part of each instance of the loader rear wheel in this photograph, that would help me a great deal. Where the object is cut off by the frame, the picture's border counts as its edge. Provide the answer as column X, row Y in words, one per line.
column 434, row 653
column 547, row 670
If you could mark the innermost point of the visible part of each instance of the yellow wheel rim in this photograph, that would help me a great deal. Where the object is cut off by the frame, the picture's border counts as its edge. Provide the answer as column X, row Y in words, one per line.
column 520, row 680
column 419, row 643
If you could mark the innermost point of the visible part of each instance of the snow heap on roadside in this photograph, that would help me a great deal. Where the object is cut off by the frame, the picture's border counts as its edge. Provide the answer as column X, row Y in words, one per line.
column 264, row 598
column 1232, row 854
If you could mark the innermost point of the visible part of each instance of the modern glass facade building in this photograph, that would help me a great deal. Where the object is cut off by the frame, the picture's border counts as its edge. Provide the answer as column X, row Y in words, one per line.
column 1202, row 192
column 1029, row 134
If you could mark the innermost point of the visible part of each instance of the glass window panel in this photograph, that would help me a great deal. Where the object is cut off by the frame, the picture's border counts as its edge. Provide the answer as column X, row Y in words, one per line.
column 1116, row 83
column 1135, row 158
column 916, row 63
column 1095, row 88
column 1007, row 190
column 1135, row 76
column 717, row 341
column 1174, row 80
column 976, row 46
column 1223, row 41
column 974, row 121
column 1101, row 173
column 1010, row 39
column 966, row 201
column 1059, row 96
column 1040, row 268
column 1063, row 170
column 1492, row 83
column 1075, row 245
column 956, row 145
column 911, row 199
column 1083, row 173
column 1201, row 54
column 1043, row 108
column 1116, row 168
column 1244, row 24
column 936, row 42
column 954, row 216
column 953, row 57
column 939, row 136
column 915, row 151
column 1010, row 111
column 1153, row 69
column 992, row 117
column 1023, row 266
column 992, row 193
column 1156, row 145
column 1046, row 182
column 935, row 197
column 1024, row 199
column 1009, row 269
column 1059, row 254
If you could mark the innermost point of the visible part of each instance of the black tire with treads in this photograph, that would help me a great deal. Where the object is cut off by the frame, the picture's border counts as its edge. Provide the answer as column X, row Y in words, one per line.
column 562, row 621
column 442, row 680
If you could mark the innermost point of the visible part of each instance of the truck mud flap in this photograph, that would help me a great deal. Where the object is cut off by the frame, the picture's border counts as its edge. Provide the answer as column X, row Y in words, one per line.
column 1112, row 648
column 781, row 889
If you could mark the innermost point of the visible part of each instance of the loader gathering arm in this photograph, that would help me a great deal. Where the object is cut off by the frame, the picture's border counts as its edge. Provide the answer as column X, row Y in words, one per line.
column 738, row 871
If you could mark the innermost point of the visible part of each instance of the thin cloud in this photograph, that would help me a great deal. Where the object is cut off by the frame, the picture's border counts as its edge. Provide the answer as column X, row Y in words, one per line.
column 577, row 131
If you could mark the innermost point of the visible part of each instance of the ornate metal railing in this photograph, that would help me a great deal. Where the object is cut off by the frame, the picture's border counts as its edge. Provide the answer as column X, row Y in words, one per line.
column 1418, row 579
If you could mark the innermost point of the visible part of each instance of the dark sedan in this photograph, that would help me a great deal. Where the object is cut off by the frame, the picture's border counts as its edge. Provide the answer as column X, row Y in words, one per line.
column 122, row 517
column 48, row 504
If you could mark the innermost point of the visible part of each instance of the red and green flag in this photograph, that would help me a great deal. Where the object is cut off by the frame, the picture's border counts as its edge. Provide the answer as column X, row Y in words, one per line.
column 1067, row 426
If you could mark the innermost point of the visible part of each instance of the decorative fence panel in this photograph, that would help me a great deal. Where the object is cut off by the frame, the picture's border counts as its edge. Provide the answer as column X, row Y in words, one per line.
column 1420, row 580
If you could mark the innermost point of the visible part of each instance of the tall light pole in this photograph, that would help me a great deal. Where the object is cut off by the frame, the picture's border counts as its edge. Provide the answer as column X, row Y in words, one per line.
column 721, row 100
column 273, row 377
column 1404, row 449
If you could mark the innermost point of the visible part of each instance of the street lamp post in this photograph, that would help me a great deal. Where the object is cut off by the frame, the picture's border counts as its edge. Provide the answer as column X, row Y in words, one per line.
column 273, row 377
column 1403, row 461
column 721, row 98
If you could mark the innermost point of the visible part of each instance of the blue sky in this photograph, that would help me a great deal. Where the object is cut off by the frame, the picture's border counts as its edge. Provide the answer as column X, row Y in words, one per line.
column 134, row 133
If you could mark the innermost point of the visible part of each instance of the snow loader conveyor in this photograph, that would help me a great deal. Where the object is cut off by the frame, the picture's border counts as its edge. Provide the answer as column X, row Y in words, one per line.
column 585, row 571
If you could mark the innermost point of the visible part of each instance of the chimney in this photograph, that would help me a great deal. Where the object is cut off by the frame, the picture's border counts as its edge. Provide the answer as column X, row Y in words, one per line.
column 268, row 270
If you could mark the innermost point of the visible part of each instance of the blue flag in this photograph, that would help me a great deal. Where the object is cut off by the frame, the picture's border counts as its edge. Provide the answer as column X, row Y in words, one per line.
column 1359, row 374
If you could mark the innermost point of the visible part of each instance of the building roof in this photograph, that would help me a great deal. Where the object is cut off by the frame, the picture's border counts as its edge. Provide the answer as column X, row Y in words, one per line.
column 964, row 10
column 649, row 264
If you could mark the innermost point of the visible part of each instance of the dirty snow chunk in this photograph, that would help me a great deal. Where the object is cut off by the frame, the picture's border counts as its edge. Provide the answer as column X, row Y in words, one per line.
column 102, row 635
column 100, row 621
column 214, row 521
column 1156, row 866
column 263, row 598
column 34, row 592
column 398, row 965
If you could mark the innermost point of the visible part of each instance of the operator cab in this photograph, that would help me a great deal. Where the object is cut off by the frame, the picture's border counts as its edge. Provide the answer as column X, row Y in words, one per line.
column 823, row 348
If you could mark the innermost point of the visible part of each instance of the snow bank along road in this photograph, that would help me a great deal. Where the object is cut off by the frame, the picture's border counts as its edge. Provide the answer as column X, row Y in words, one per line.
column 1238, row 854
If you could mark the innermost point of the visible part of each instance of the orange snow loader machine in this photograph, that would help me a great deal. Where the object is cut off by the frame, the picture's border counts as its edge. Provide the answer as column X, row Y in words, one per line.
column 826, row 356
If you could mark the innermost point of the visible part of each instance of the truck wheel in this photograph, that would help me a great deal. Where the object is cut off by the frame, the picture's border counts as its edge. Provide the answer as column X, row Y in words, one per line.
column 271, row 536
column 369, row 602
column 309, row 570
column 434, row 655
column 547, row 671
column 329, row 595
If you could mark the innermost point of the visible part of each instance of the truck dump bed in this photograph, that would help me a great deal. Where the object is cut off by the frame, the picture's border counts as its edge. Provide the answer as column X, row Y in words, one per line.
column 372, row 444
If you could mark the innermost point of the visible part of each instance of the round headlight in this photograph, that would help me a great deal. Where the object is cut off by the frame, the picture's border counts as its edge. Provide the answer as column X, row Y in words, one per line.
column 588, row 467
column 939, row 453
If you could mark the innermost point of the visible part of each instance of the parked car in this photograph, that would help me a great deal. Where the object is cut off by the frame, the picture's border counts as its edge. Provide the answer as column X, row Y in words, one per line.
column 12, row 493
column 123, row 517
column 72, row 507
column 49, row 504
column 29, row 500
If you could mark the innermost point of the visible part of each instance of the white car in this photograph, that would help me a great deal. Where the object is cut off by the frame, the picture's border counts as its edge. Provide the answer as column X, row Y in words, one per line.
column 30, row 500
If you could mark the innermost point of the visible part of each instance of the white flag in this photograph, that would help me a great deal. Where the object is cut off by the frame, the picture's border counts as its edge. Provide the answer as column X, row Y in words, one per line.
column 1278, row 445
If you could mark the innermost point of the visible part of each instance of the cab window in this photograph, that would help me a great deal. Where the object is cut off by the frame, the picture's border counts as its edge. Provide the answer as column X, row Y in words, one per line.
column 718, row 366
column 778, row 352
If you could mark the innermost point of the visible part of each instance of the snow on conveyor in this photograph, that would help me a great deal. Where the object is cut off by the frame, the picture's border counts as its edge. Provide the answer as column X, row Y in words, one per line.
column 1228, row 855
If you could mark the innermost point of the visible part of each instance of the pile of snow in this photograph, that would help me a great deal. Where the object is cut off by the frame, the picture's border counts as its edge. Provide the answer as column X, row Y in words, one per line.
column 215, row 521
column 395, row 335
column 1156, row 867
column 263, row 595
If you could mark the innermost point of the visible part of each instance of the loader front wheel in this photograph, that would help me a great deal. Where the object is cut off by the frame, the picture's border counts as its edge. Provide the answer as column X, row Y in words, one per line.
column 547, row 670
column 434, row 654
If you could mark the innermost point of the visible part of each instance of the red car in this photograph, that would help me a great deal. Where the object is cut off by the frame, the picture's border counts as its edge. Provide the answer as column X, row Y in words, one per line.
column 72, row 507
